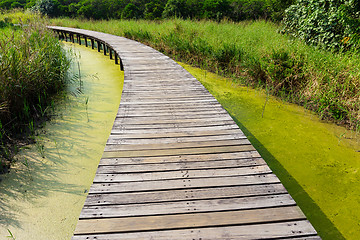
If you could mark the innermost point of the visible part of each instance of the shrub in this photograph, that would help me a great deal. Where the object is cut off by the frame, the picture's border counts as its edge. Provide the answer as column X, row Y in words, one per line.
column 331, row 24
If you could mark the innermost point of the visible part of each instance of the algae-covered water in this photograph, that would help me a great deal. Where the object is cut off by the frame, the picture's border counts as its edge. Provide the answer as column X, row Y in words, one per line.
column 317, row 162
column 42, row 197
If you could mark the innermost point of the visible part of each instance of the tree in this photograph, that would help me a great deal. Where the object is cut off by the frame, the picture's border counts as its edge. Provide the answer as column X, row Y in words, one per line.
column 47, row 7
column 175, row 8
column 215, row 9
column 131, row 11
column 153, row 10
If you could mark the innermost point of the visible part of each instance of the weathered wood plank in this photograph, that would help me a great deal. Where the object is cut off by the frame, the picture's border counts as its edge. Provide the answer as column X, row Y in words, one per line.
column 161, row 167
column 255, row 231
column 163, row 134
column 175, row 125
column 179, row 158
column 113, row 139
column 114, row 176
column 172, row 129
column 124, row 147
column 180, row 151
column 178, row 221
column 165, row 208
column 157, row 120
column 186, row 183
column 184, row 194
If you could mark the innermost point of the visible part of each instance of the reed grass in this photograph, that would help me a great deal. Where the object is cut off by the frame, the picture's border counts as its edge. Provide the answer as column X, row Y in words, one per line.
column 33, row 68
column 253, row 53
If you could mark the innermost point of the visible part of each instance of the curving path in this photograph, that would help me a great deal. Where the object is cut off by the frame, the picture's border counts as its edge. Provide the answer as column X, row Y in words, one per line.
column 176, row 166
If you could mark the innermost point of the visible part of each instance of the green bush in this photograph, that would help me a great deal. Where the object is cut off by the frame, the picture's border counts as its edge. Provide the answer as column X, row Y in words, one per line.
column 331, row 24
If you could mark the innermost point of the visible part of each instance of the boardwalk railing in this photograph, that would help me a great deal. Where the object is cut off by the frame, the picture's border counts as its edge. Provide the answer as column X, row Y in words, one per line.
column 176, row 166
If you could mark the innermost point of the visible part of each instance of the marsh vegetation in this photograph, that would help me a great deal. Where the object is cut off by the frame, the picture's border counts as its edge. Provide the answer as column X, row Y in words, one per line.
column 32, row 70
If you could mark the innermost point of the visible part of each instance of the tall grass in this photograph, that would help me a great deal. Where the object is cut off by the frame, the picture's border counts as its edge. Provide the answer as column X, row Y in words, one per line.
column 254, row 53
column 32, row 69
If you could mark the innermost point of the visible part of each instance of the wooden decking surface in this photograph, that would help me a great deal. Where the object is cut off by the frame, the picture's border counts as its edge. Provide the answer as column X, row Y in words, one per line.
column 176, row 166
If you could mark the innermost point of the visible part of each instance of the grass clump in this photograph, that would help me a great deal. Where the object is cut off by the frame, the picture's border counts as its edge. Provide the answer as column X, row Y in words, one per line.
column 254, row 53
column 32, row 69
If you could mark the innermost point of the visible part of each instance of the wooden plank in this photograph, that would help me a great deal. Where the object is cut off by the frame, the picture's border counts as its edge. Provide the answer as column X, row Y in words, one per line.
column 178, row 158
column 184, row 194
column 172, row 129
column 124, row 147
column 172, row 115
column 157, row 120
column 156, row 135
column 166, row 208
column 178, row 221
column 185, row 183
column 288, row 230
column 180, row 151
column 118, row 125
column 169, row 102
column 114, row 176
column 161, row 167
column 113, row 139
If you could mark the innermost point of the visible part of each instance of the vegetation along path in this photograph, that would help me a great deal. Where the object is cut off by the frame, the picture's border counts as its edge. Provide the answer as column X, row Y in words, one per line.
column 176, row 166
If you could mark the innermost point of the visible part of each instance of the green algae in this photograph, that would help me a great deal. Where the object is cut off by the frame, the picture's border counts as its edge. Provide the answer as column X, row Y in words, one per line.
column 42, row 196
column 317, row 162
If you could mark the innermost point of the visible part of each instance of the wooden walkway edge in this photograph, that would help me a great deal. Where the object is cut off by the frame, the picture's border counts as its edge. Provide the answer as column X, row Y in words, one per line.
column 176, row 166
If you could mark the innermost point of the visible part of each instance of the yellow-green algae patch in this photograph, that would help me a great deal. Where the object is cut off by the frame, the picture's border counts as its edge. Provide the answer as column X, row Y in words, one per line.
column 42, row 197
column 317, row 162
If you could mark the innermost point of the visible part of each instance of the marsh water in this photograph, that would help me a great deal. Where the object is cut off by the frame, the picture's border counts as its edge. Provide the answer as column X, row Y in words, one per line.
column 43, row 195
column 318, row 162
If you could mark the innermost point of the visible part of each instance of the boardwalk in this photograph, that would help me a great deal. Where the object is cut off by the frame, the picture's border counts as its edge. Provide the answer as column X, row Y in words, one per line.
column 176, row 166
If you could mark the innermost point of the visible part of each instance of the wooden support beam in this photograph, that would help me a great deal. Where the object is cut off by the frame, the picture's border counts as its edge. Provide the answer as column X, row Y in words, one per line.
column 79, row 39
column 121, row 65
column 98, row 46
column 104, row 46
column 116, row 58
column 72, row 37
column 92, row 43
column 86, row 43
column 110, row 53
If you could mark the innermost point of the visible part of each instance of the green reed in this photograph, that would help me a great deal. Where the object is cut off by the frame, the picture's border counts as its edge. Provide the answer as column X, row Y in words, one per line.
column 33, row 69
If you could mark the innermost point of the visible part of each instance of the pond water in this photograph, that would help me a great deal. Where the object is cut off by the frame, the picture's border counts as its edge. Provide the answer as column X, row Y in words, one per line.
column 318, row 162
column 43, row 195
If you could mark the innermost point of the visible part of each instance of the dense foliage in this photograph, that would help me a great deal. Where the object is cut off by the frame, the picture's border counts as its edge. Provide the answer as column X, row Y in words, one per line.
column 156, row 9
column 332, row 24
column 32, row 70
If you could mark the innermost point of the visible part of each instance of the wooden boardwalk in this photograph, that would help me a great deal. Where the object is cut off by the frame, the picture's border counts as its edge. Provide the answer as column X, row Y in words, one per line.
column 176, row 166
